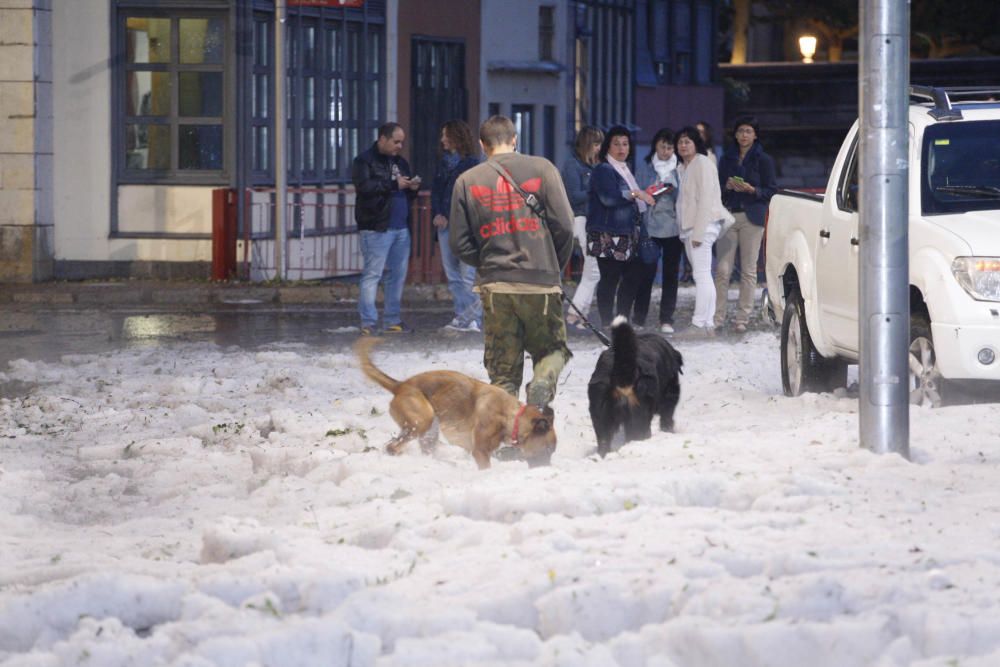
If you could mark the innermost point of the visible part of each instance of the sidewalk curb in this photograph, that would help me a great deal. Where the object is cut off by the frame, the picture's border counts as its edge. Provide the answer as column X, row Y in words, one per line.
column 185, row 293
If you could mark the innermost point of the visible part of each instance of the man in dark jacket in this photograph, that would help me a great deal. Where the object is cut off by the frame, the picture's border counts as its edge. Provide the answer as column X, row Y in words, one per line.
column 520, row 257
column 382, row 211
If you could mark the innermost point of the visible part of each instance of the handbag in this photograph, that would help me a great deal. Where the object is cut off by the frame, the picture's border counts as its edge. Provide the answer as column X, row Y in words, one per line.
column 726, row 223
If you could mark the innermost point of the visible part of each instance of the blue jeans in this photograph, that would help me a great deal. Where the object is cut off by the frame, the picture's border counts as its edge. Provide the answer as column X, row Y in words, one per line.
column 461, row 278
column 387, row 251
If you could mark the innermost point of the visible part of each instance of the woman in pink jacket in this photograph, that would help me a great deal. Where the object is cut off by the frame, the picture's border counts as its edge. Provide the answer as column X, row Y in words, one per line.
column 701, row 216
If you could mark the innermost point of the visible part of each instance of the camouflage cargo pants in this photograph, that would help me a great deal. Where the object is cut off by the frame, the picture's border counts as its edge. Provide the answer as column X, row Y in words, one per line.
column 517, row 323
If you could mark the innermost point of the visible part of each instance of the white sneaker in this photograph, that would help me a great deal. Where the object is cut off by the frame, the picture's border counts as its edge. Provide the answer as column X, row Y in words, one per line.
column 466, row 327
column 666, row 328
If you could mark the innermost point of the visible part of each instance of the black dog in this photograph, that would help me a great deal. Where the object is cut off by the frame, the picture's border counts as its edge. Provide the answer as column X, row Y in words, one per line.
column 637, row 377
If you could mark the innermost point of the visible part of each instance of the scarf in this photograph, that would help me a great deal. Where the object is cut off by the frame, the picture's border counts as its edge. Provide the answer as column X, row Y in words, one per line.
column 664, row 168
column 624, row 172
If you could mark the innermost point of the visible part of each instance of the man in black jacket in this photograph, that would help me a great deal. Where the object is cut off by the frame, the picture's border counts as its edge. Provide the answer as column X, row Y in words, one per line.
column 520, row 256
column 382, row 211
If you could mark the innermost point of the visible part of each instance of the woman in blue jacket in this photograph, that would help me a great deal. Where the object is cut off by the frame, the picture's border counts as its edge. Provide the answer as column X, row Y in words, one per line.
column 576, row 177
column 658, row 175
column 615, row 204
column 747, row 179
column 458, row 152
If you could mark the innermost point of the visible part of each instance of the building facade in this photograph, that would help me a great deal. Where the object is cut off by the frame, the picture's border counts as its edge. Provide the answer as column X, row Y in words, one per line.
column 27, row 246
column 120, row 118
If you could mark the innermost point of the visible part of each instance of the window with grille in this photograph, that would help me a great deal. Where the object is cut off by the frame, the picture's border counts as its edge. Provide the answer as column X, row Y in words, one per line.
column 183, row 72
column 335, row 97
column 437, row 95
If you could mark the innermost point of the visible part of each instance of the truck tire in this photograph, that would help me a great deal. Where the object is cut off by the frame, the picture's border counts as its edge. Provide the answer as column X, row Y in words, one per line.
column 802, row 367
column 927, row 387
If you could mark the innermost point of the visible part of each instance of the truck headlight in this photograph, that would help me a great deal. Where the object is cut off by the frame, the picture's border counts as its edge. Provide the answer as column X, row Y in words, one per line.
column 980, row 276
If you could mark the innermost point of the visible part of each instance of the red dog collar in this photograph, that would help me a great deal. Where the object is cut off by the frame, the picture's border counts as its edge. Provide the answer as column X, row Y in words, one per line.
column 514, row 438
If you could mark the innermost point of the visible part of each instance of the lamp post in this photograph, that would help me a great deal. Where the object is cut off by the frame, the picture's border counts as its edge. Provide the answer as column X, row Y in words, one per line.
column 807, row 45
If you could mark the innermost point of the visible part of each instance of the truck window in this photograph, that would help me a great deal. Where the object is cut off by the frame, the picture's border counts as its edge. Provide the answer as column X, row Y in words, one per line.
column 847, row 192
column 960, row 167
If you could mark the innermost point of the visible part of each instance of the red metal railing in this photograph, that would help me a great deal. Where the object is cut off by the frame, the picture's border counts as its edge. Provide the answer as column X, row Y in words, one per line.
column 321, row 239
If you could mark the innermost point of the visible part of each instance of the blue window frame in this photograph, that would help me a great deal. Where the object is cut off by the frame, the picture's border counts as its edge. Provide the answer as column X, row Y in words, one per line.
column 171, row 96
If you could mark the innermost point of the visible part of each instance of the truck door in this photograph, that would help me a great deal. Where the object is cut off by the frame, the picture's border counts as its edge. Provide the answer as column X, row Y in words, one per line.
column 837, row 259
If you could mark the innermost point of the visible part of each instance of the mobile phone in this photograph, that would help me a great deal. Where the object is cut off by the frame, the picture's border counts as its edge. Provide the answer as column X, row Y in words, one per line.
column 738, row 179
column 660, row 188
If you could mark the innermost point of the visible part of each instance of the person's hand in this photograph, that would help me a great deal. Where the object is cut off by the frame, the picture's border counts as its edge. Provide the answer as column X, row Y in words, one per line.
column 440, row 221
column 403, row 182
column 415, row 183
column 730, row 183
column 646, row 197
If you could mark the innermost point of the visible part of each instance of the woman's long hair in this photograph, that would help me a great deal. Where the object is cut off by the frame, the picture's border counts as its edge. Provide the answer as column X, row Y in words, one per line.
column 663, row 134
column 585, row 140
column 709, row 140
column 692, row 134
column 460, row 135
column 616, row 131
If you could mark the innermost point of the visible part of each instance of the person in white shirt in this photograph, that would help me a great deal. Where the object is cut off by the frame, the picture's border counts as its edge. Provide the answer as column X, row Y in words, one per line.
column 701, row 215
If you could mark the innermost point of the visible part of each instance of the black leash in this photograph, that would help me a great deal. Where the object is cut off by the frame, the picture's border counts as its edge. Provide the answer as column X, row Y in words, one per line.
column 583, row 318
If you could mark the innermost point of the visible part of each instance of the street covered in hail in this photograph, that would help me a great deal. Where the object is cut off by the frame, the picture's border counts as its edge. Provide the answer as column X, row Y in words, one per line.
column 201, row 505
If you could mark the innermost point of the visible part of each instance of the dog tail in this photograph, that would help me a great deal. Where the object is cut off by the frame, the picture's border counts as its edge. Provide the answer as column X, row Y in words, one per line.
column 626, row 351
column 363, row 348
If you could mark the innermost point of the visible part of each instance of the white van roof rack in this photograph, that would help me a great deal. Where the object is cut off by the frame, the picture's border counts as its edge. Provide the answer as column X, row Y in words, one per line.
column 942, row 98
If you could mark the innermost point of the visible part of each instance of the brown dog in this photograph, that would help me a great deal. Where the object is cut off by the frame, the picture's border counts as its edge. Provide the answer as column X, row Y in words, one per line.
column 472, row 414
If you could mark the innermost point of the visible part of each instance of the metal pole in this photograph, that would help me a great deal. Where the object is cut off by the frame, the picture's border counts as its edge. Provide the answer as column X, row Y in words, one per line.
column 884, row 318
column 280, row 127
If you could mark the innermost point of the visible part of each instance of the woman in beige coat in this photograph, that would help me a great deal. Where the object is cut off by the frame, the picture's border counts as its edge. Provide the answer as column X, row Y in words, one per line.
column 701, row 216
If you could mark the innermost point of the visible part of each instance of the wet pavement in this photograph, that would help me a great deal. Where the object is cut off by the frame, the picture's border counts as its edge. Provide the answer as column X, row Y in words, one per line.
column 47, row 333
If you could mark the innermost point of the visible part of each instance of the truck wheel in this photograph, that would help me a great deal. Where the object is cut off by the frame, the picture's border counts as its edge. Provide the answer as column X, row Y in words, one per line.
column 926, row 384
column 802, row 367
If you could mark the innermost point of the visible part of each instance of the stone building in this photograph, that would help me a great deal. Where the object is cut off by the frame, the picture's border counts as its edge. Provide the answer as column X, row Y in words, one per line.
column 120, row 118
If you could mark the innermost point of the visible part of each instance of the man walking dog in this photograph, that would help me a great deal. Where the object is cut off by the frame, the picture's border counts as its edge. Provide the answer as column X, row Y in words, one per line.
column 510, row 218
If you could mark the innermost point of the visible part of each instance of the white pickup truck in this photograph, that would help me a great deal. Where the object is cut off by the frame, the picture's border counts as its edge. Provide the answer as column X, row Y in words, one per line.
column 812, row 255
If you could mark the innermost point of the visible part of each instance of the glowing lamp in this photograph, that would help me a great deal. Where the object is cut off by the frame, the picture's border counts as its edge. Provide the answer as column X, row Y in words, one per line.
column 807, row 45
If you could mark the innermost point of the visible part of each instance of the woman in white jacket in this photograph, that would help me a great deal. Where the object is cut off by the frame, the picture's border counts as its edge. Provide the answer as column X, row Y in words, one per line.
column 701, row 216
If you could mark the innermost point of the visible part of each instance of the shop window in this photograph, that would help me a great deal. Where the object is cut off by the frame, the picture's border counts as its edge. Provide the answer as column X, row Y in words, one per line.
column 172, row 87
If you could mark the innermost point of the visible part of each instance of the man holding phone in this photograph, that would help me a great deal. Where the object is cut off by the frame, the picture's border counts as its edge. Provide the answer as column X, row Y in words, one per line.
column 384, row 190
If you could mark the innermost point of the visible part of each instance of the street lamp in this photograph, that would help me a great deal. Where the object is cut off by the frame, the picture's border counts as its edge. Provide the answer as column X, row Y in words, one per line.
column 807, row 45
